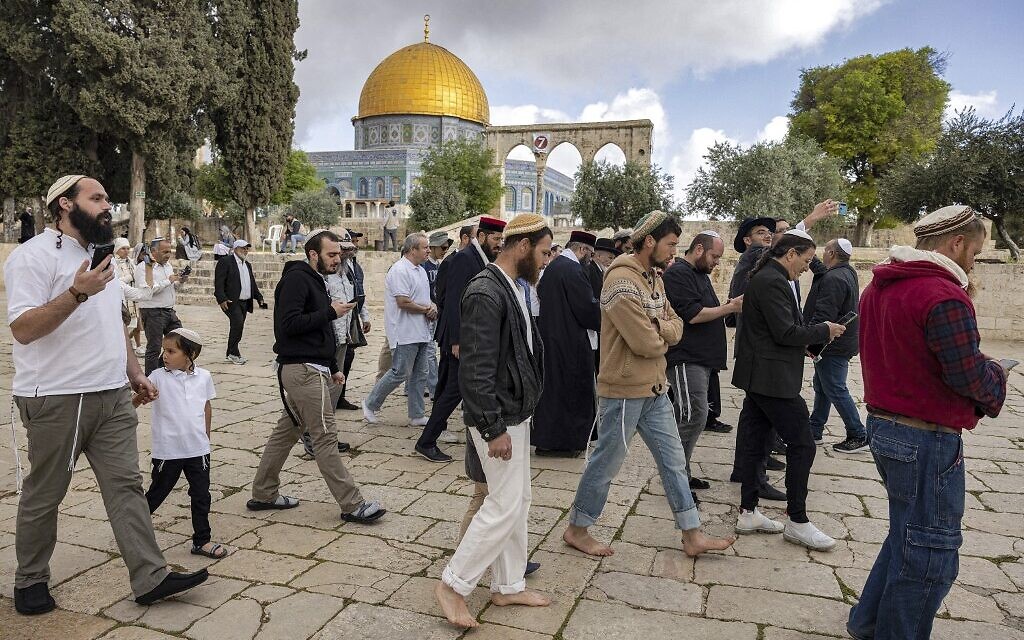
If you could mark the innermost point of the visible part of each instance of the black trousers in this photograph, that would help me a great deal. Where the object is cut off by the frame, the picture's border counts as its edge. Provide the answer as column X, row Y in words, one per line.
column 789, row 417
column 157, row 323
column 197, row 472
column 714, row 398
column 236, row 324
column 446, row 399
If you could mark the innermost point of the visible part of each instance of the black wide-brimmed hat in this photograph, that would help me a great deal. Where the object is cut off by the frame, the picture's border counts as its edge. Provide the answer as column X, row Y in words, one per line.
column 745, row 228
column 607, row 244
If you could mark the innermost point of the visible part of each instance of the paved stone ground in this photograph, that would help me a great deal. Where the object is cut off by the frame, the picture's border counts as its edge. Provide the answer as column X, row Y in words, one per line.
column 303, row 574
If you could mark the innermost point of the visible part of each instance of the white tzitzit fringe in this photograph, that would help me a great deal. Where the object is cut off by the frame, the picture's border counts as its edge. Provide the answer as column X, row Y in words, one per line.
column 18, row 473
column 74, row 443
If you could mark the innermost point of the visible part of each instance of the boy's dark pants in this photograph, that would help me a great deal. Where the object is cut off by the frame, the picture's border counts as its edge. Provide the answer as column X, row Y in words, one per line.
column 197, row 472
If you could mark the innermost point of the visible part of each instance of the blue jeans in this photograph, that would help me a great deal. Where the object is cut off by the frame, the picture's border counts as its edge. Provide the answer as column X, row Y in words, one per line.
column 923, row 473
column 620, row 418
column 830, row 389
column 408, row 362
column 294, row 239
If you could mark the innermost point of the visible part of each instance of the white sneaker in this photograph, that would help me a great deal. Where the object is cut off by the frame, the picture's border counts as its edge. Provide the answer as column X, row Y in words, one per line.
column 756, row 522
column 369, row 416
column 448, row 437
column 418, row 422
column 807, row 535
column 237, row 359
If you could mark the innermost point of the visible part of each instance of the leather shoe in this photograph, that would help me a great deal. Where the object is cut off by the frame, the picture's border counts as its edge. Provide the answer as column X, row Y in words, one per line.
column 433, row 454
column 697, row 483
column 778, row 446
column 774, row 464
column 172, row 584
column 33, row 599
column 768, row 492
column 345, row 405
column 735, row 477
column 718, row 427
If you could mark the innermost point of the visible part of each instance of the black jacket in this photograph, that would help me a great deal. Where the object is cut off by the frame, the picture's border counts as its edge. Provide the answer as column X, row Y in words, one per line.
column 302, row 318
column 834, row 293
column 500, row 379
column 227, row 285
column 772, row 340
column 596, row 277
column 451, row 283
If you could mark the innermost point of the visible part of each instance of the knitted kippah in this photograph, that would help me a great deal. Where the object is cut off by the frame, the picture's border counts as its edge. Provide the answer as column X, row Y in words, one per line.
column 189, row 335
column 647, row 224
column 63, row 184
column 523, row 224
column 944, row 220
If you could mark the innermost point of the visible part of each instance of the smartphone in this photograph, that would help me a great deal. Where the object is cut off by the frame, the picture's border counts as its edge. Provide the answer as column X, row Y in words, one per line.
column 1008, row 363
column 100, row 252
column 842, row 208
column 848, row 318
column 186, row 271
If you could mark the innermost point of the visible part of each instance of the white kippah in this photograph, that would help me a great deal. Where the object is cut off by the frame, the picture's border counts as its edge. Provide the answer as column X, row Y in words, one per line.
column 845, row 245
column 60, row 186
column 709, row 232
column 189, row 335
column 800, row 234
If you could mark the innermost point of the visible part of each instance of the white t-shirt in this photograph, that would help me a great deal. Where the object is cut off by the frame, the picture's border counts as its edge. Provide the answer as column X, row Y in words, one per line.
column 163, row 289
column 87, row 352
column 179, row 413
column 243, row 277
column 402, row 327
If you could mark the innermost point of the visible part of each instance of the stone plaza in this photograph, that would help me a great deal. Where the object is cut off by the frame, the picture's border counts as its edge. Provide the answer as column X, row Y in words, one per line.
column 302, row 573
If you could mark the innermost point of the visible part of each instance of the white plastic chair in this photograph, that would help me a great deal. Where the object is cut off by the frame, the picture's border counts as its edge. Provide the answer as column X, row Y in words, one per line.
column 274, row 237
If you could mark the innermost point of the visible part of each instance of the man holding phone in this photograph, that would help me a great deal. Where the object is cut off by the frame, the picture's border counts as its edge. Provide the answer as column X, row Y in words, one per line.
column 834, row 295
column 158, row 315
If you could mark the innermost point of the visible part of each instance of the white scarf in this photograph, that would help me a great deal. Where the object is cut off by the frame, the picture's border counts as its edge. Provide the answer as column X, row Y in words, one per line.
column 900, row 253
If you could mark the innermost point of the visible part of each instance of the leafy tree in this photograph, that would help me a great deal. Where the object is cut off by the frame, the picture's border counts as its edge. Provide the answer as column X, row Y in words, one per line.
column 870, row 111
column 212, row 186
column 976, row 162
column 469, row 165
column 316, row 209
column 299, row 175
column 174, row 204
column 435, row 203
column 608, row 195
column 254, row 111
column 784, row 179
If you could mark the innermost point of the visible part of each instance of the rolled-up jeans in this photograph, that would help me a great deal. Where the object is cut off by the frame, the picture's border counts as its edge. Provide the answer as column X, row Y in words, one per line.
column 619, row 419
column 408, row 362
column 924, row 477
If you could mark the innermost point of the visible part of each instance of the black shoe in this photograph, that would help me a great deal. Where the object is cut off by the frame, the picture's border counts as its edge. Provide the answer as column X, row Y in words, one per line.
column 778, row 446
column 697, row 483
column 365, row 513
column 850, row 445
column 558, row 453
column 696, row 500
column 774, row 464
column 34, row 599
column 718, row 427
column 531, row 567
column 768, row 492
column 172, row 584
column 343, row 446
column 433, row 454
column 345, row 405
column 735, row 477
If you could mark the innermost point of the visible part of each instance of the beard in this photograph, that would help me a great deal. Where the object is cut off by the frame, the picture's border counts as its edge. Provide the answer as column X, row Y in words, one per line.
column 323, row 268
column 488, row 251
column 94, row 230
column 528, row 269
column 704, row 266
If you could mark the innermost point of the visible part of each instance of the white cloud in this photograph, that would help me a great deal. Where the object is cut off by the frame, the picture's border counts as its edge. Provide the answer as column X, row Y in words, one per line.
column 775, row 130
column 526, row 114
column 684, row 165
column 985, row 103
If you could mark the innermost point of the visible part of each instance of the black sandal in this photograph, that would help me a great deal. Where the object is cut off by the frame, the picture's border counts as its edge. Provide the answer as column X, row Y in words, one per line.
column 197, row 550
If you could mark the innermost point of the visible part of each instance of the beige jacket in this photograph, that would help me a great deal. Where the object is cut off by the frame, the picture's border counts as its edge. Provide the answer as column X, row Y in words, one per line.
column 637, row 328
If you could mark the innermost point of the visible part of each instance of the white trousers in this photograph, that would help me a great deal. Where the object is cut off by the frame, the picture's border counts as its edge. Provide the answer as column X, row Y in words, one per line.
column 497, row 537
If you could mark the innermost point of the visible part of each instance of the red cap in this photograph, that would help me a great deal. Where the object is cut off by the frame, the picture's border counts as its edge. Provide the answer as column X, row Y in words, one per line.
column 491, row 224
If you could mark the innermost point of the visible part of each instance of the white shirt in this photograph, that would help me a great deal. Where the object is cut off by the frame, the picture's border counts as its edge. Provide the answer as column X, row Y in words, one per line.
column 163, row 289
column 243, row 276
column 521, row 296
column 179, row 413
column 341, row 289
column 591, row 334
column 403, row 327
column 87, row 352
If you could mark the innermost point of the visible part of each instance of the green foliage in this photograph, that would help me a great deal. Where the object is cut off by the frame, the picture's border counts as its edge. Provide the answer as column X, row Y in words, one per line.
column 977, row 162
column 174, row 204
column 871, row 110
column 315, row 209
column 435, row 203
column 469, row 165
column 783, row 179
column 212, row 185
column 299, row 175
column 608, row 195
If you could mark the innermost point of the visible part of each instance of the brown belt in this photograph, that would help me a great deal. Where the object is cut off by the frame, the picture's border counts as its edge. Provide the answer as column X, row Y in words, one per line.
column 912, row 422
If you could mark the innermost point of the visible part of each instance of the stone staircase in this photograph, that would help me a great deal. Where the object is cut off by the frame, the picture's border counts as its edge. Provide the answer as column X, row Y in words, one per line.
column 266, row 267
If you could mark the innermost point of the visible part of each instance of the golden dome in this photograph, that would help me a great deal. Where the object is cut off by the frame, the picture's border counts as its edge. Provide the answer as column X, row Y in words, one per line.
column 424, row 79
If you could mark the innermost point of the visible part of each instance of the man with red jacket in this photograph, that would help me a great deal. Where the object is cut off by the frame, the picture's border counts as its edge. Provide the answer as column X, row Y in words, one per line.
column 925, row 380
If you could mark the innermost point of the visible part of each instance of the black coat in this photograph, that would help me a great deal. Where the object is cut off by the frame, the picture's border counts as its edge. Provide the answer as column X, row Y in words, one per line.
column 834, row 293
column 568, row 308
column 772, row 341
column 227, row 285
column 596, row 277
column 303, row 317
column 452, row 277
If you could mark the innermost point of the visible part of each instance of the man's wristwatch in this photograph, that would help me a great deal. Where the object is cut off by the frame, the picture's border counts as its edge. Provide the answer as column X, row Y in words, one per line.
column 79, row 296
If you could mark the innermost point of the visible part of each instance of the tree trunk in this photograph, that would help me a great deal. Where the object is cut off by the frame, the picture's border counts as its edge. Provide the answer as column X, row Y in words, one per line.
column 12, row 229
column 250, row 227
column 39, row 212
column 862, row 232
column 997, row 222
column 137, row 198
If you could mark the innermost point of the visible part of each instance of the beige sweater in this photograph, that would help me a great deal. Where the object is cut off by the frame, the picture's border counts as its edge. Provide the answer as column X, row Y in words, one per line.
column 632, row 345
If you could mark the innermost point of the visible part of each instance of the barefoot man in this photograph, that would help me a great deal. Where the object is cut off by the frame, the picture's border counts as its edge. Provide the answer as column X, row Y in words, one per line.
column 500, row 378
column 637, row 328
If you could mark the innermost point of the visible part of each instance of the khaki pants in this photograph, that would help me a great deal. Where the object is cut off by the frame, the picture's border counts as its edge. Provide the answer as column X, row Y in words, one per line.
column 105, row 423
column 479, row 493
column 383, row 360
column 309, row 398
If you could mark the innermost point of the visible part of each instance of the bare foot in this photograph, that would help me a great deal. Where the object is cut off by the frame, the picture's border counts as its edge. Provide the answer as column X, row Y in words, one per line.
column 526, row 598
column 579, row 538
column 696, row 542
column 454, row 606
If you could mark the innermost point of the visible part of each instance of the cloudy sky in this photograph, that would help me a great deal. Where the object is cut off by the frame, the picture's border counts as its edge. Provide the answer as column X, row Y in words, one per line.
column 702, row 71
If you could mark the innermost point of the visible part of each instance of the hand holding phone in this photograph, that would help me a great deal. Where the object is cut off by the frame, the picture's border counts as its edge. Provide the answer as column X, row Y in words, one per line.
column 848, row 318
column 1008, row 363
column 99, row 253
column 842, row 209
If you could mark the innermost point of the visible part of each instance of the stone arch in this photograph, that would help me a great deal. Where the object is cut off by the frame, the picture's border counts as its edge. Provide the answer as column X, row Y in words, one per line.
column 364, row 188
column 511, row 199
column 611, row 153
column 378, row 188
